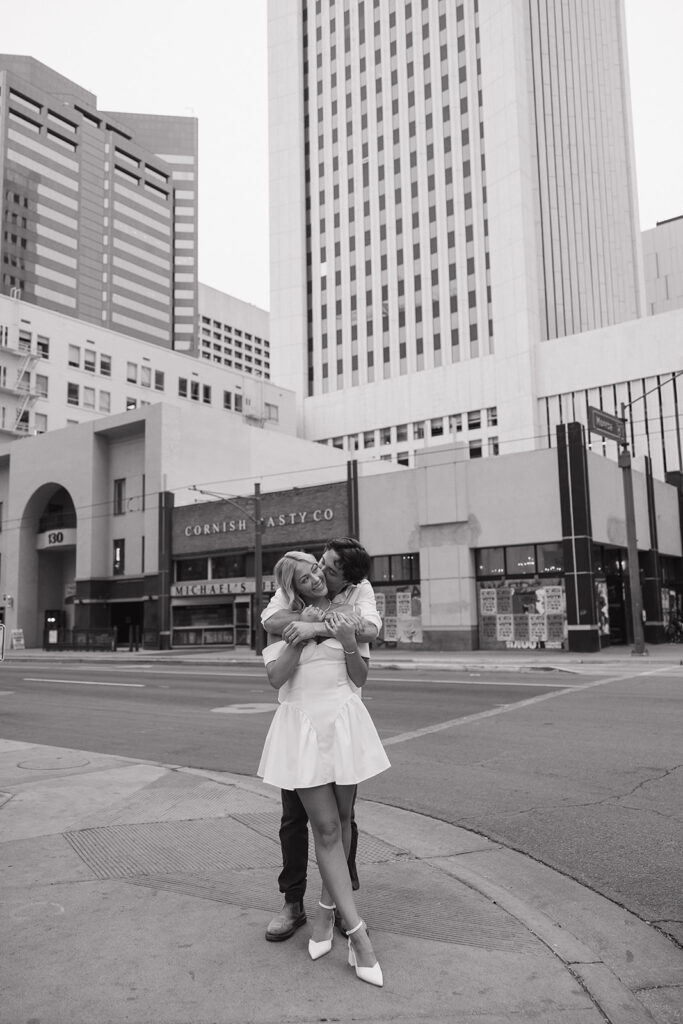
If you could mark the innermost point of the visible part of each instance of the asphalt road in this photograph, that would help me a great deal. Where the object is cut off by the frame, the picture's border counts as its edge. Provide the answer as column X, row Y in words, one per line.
column 583, row 773
column 213, row 717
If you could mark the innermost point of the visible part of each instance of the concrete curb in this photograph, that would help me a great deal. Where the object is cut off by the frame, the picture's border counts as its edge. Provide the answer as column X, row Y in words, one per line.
column 629, row 971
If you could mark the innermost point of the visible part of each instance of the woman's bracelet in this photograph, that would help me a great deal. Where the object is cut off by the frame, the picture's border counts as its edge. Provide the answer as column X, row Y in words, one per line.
column 351, row 652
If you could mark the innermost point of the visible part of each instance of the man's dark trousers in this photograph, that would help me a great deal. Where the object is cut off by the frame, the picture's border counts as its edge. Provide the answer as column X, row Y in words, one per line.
column 294, row 843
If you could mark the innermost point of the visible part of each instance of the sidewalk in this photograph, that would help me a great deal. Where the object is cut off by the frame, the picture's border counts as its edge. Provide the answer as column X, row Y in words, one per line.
column 138, row 893
column 609, row 659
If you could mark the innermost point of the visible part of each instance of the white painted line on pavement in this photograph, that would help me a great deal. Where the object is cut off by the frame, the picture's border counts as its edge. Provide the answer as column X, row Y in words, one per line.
column 192, row 669
column 492, row 712
column 472, row 682
column 405, row 674
column 80, row 682
column 244, row 709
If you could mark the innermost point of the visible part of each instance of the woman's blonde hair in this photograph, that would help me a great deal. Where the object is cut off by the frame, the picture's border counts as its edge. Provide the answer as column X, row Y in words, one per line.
column 284, row 575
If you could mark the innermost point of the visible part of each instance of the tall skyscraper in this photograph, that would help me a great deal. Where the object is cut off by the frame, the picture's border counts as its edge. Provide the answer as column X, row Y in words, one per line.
column 451, row 186
column 99, row 209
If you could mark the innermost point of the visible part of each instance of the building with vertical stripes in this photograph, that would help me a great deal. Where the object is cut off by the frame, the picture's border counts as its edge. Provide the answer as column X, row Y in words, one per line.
column 453, row 210
column 98, row 210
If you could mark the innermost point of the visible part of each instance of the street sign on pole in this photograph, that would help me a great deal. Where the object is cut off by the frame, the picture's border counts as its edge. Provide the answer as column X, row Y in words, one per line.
column 603, row 423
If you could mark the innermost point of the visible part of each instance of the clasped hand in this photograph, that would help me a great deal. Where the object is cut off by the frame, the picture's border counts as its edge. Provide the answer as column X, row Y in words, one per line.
column 341, row 625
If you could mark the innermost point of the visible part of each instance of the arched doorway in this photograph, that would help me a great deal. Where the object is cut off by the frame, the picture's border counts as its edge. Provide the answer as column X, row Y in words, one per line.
column 47, row 562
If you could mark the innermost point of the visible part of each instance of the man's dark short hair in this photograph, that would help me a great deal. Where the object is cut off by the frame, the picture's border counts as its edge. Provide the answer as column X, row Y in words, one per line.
column 353, row 558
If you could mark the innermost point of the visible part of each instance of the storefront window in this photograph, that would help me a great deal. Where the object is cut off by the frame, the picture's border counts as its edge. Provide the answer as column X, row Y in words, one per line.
column 550, row 559
column 521, row 560
column 381, row 569
column 491, row 562
column 405, row 567
column 395, row 568
column 199, row 625
column 191, row 569
column 223, row 567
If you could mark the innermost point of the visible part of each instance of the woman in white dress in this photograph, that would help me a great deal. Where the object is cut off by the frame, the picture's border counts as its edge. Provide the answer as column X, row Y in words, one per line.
column 322, row 742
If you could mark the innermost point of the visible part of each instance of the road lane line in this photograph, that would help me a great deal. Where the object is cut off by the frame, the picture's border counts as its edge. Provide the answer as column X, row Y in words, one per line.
column 405, row 675
column 245, row 709
column 80, row 682
column 492, row 712
column 475, row 682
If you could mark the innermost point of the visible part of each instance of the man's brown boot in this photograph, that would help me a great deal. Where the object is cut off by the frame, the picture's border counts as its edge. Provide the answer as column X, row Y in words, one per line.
column 284, row 924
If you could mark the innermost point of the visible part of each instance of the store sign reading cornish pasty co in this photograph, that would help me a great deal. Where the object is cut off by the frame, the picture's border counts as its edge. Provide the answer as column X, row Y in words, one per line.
column 318, row 515
column 309, row 515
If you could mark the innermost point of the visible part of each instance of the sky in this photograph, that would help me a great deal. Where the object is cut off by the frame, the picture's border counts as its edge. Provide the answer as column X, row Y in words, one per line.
column 208, row 59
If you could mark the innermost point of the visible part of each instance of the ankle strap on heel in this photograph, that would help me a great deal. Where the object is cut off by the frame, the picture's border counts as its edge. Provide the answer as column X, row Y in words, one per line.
column 325, row 906
column 360, row 924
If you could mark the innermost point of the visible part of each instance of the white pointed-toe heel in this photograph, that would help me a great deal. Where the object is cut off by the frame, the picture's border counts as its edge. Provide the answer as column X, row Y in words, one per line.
column 373, row 975
column 318, row 949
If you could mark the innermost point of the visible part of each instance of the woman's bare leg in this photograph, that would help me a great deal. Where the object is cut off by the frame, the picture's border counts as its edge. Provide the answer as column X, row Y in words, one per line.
column 322, row 805
column 344, row 796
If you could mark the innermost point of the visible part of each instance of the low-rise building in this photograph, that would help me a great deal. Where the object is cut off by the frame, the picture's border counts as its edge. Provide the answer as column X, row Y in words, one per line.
column 146, row 523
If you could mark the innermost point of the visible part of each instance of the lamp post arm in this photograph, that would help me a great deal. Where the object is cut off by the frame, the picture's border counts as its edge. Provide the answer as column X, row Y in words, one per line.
column 657, row 387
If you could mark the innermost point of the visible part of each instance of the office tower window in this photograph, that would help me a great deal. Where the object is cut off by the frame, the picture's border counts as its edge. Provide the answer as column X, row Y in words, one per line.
column 105, row 365
column 74, row 355
column 105, row 401
column 72, row 394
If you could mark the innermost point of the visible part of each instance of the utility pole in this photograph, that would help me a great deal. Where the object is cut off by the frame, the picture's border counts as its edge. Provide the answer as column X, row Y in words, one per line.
column 258, row 555
column 258, row 572
column 631, row 541
column 632, row 545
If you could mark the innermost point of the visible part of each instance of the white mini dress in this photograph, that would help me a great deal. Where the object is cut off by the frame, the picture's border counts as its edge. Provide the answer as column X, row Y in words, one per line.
column 322, row 732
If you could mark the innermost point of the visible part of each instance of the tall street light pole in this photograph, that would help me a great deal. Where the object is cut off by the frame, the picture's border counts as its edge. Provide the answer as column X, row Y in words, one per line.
column 258, row 555
column 633, row 568
column 258, row 572
column 632, row 546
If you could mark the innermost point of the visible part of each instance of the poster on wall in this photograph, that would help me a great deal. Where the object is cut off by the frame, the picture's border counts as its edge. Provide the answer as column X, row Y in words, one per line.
column 537, row 627
column 526, row 613
column 401, row 611
column 602, row 603
column 487, row 631
column 504, row 627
